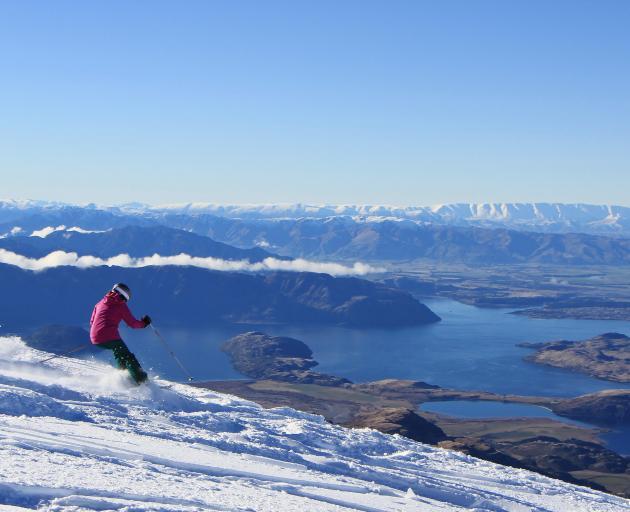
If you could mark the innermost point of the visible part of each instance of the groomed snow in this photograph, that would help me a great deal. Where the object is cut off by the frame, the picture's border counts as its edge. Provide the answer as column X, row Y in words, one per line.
column 77, row 436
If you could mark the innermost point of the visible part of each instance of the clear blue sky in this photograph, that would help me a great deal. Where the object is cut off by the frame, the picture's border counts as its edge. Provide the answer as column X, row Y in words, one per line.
column 400, row 102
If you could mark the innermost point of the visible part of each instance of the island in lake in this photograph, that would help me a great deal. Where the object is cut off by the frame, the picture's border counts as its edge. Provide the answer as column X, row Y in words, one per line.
column 281, row 373
column 606, row 356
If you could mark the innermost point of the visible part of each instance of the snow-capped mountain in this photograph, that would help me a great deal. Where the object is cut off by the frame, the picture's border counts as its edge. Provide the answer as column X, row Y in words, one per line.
column 546, row 217
column 469, row 234
column 542, row 217
column 75, row 435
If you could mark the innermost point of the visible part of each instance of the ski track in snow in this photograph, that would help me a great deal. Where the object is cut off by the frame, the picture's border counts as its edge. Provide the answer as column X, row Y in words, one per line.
column 76, row 435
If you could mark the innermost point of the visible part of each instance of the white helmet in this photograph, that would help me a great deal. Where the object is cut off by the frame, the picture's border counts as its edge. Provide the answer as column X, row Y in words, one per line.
column 122, row 290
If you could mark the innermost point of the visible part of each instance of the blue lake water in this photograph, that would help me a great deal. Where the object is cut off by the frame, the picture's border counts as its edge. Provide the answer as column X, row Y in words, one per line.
column 481, row 409
column 618, row 438
column 470, row 349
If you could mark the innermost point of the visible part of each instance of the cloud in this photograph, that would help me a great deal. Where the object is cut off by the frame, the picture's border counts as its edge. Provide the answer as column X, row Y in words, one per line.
column 77, row 229
column 72, row 259
column 44, row 232
column 14, row 231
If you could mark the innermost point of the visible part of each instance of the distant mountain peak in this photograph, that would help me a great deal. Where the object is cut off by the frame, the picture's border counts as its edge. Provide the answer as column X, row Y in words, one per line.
column 552, row 217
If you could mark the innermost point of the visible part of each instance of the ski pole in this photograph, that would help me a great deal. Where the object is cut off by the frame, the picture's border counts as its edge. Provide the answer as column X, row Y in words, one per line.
column 159, row 336
column 77, row 349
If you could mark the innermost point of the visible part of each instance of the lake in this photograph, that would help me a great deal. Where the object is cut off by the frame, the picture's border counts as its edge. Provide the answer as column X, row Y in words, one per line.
column 470, row 349
column 480, row 409
column 617, row 439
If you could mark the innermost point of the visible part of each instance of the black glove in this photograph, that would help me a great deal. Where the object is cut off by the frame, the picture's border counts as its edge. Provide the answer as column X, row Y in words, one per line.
column 147, row 320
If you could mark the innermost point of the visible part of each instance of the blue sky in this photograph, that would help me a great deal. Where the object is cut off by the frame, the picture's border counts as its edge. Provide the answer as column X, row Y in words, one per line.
column 400, row 102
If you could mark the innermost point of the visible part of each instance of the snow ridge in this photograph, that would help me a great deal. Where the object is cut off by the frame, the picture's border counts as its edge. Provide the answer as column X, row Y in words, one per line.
column 546, row 217
column 75, row 435
column 461, row 211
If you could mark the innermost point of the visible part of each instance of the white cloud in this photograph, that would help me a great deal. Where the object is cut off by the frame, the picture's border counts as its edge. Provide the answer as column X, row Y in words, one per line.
column 14, row 231
column 44, row 232
column 77, row 229
column 61, row 258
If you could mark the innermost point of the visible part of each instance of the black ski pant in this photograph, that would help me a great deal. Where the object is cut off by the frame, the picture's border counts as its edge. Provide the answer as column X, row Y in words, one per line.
column 125, row 359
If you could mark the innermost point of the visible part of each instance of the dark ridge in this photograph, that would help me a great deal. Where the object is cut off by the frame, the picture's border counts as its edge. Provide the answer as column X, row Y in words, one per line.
column 178, row 295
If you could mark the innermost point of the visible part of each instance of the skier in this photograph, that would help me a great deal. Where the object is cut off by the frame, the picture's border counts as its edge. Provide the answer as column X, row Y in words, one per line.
column 107, row 314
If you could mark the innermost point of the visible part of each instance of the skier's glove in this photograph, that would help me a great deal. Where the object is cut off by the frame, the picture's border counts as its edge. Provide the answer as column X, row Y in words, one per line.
column 147, row 320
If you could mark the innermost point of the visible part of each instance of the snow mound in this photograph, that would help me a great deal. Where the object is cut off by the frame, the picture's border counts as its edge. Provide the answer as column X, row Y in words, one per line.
column 17, row 401
column 76, row 435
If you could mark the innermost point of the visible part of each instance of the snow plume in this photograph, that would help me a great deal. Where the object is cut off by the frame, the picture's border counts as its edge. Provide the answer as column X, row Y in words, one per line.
column 72, row 259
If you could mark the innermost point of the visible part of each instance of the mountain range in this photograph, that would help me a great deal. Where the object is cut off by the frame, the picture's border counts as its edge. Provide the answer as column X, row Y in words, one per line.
column 611, row 220
column 136, row 241
column 449, row 236
column 345, row 238
column 544, row 217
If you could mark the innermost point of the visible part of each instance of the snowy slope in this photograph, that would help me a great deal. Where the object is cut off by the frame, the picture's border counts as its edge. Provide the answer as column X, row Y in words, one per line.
column 76, row 436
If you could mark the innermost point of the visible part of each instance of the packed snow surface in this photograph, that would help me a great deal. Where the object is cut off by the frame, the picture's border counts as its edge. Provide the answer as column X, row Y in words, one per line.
column 78, row 436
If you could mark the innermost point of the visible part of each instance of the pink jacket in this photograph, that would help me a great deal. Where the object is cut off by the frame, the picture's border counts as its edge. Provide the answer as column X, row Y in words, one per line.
column 107, row 314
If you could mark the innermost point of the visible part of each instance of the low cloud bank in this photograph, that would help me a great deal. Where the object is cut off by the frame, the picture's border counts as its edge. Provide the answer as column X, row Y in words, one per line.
column 14, row 231
column 72, row 259
column 44, row 232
